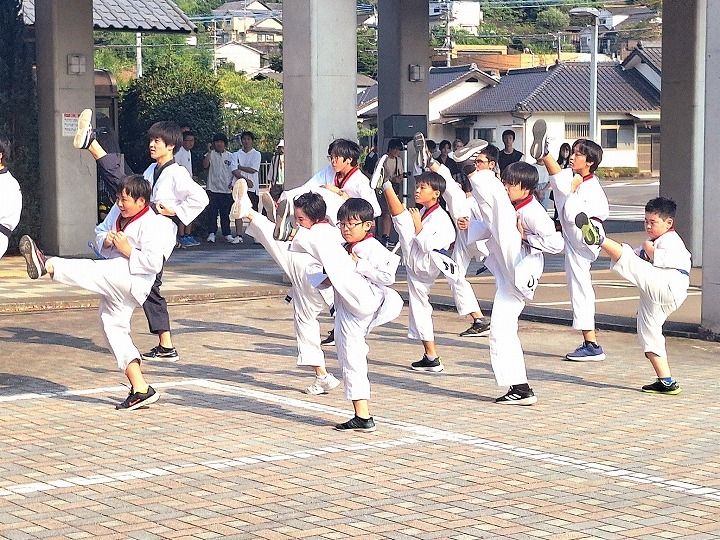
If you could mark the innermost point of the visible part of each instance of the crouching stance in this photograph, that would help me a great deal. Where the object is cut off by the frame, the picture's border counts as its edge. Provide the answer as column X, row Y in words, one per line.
column 132, row 238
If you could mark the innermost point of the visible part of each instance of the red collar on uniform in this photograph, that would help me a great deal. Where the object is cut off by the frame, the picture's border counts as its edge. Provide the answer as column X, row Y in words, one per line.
column 350, row 245
column 429, row 211
column 140, row 214
column 340, row 182
column 588, row 177
column 524, row 202
column 320, row 221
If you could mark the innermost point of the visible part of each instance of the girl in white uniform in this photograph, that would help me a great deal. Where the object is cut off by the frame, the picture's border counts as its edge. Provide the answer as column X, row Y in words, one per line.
column 360, row 273
column 133, row 240
column 308, row 301
column 10, row 198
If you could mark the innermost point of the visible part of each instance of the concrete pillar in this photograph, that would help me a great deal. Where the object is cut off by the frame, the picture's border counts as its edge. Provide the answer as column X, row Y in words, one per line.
column 403, row 40
column 319, row 82
column 69, row 200
column 682, row 133
column 710, row 319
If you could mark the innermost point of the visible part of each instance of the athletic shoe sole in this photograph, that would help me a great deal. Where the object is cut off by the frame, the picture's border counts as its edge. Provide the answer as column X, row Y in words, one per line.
column 282, row 221
column 378, row 177
column 340, row 427
column 28, row 250
column 433, row 369
column 470, row 151
column 596, row 358
column 590, row 234
column 84, row 129
column 421, row 158
column 484, row 333
column 524, row 401
column 269, row 206
column 537, row 148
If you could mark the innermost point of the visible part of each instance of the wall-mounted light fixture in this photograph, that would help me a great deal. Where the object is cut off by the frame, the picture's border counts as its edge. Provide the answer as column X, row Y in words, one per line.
column 416, row 73
column 76, row 64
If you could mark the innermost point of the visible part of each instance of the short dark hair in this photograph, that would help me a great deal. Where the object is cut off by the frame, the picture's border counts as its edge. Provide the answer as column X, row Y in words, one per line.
column 521, row 173
column 5, row 149
column 220, row 137
column 395, row 144
column 248, row 133
column 508, row 132
column 188, row 133
column 665, row 208
column 346, row 149
column 445, row 143
column 433, row 179
column 169, row 132
column 492, row 152
column 432, row 145
column 136, row 186
column 591, row 150
column 312, row 204
column 356, row 208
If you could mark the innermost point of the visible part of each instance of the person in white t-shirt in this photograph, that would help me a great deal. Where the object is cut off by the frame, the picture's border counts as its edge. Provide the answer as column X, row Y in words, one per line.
column 218, row 162
column 246, row 164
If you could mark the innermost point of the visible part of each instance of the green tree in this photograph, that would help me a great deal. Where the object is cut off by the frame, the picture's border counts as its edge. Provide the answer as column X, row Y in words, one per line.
column 367, row 52
column 181, row 92
column 18, row 113
column 251, row 105
column 552, row 19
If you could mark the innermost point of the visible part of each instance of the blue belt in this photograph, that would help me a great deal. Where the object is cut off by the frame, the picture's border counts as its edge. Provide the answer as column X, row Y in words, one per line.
column 683, row 272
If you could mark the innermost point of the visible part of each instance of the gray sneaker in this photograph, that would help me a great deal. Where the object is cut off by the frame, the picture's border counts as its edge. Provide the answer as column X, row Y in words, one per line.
column 470, row 151
column 422, row 156
column 538, row 148
column 283, row 225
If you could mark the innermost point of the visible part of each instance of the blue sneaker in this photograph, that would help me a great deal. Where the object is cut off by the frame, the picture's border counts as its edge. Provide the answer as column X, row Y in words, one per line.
column 587, row 352
column 184, row 242
column 191, row 241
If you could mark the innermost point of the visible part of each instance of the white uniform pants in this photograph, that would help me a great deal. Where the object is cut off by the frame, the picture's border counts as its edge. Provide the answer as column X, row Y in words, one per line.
column 463, row 293
column 3, row 244
column 352, row 350
column 421, row 274
column 506, row 354
column 307, row 300
column 109, row 278
column 662, row 291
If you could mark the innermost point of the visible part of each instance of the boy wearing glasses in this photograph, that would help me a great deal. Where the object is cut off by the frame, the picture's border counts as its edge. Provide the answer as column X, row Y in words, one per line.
column 360, row 272
column 425, row 236
column 307, row 301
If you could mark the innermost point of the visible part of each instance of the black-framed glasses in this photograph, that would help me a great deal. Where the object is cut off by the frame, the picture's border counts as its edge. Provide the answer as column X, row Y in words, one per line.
column 349, row 226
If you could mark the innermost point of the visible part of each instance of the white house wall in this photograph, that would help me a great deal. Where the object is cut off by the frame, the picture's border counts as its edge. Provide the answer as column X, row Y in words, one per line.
column 649, row 74
column 243, row 58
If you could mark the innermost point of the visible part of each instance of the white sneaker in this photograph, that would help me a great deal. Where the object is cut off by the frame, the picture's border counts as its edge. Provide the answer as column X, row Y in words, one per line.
column 470, row 151
column 233, row 239
column 211, row 238
column 242, row 206
column 322, row 385
column 84, row 134
column 378, row 177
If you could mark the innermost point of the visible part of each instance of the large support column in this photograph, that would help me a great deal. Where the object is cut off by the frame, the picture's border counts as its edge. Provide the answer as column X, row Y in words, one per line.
column 710, row 320
column 69, row 201
column 682, row 134
column 403, row 41
column 319, row 82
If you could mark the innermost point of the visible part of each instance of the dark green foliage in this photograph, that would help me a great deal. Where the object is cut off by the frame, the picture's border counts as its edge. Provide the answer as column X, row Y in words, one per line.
column 183, row 92
column 18, row 113
column 367, row 52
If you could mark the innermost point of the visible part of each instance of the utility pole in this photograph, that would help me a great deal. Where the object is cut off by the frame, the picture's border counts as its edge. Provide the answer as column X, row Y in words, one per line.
column 138, row 54
column 448, row 41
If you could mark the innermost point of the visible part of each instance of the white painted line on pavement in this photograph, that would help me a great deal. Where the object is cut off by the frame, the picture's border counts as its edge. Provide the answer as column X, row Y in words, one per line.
column 420, row 435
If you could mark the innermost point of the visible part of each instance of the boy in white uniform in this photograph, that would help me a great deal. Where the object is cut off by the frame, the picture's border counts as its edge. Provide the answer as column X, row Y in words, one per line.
column 307, row 300
column 360, row 273
column 134, row 240
column 175, row 195
column 576, row 190
column 660, row 268
column 463, row 208
column 341, row 180
column 538, row 235
column 10, row 198
column 425, row 236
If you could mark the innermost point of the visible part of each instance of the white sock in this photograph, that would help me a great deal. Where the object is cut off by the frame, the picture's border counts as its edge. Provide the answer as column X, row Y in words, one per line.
column 387, row 184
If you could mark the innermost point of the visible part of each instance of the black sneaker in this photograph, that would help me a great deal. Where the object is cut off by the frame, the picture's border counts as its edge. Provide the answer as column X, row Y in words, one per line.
column 135, row 400
column 85, row 133
column 161, row 353
column 479, row 328
column 357, row 424
column 330, row 339
column 283, row 225
column 34, row 258
column 659, row 387
column 515, row 396
column 425, row 364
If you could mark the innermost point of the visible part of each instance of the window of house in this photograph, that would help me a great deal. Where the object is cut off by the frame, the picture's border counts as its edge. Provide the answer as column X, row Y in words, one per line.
column 577, row 130
column 618, row 134
column 486, row 134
